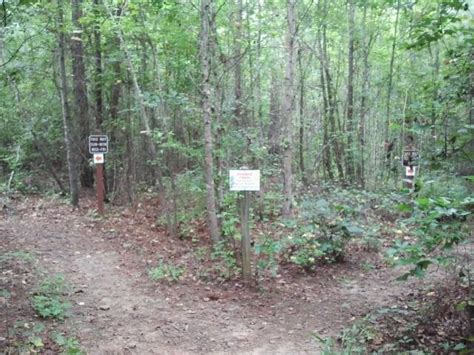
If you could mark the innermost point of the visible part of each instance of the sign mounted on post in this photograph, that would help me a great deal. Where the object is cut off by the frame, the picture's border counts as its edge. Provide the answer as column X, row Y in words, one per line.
column 98, row 144
column 98, row 158
column 244, row 180
column 410, row 157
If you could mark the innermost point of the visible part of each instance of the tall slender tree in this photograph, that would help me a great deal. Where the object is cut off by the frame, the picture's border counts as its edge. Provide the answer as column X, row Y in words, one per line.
column 68, row 123
column 207, row 17
column 81, row 104
column 350, row 91
column 288, row 109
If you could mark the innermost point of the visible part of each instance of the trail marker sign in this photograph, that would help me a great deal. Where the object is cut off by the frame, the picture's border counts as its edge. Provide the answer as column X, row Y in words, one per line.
column 98, row 158
column 98, row 144
column 244, row 180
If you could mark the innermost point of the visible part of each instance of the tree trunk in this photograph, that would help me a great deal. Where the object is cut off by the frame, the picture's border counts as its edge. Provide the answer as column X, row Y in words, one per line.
column 288, row 108
column 68, row 123
column 390, row 75
column 326, row 142
column 99, row 107
column 363, row 98
column 81, row 107
column 239, row 117
column 274, row 130
column 350, row 93
column 301, row 118
column 204, row 40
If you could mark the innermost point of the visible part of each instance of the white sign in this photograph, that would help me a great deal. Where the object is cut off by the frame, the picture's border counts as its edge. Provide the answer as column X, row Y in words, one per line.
column 98, row 158
column 244, row 180
column 410, row 171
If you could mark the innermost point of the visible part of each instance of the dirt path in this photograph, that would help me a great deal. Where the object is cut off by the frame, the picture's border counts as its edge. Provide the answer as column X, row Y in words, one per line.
column 118, row 310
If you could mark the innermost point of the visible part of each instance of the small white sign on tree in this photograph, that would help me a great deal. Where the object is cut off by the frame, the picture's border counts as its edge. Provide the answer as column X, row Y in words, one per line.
column 244, row 180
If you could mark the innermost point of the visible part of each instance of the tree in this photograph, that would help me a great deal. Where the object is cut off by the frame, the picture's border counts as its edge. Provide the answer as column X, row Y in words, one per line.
column 207, row 17
column 81, row 102
column 288, row 109
column 69, row 126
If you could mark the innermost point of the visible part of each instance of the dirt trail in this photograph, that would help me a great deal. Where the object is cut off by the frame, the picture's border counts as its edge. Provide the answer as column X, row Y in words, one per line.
column 118, row 310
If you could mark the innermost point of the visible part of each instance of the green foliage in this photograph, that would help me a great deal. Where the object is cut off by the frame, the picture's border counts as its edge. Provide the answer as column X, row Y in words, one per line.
column 50, row 306
column 229, row 216
column 69, row 345
column 168, row 272
column 438, row 223
column 225, row 261
column 28, row 338
column 353, row 340
column 322, row 234
column 22, row 256
column 267, row 251
column 48, row 300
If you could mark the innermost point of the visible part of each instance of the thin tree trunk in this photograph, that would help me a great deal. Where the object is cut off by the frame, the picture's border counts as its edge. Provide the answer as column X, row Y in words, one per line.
column 204, row 40
column 338, row 154
column 434, row 113
column 288, row 108
column 68, row 124
column 81, row 107
column 301, row 117
column 238, row 110
column 363, row 98
column 274, row 129
column 326, row 143
column 350, row 92
column 99, row 107
column 390, row 76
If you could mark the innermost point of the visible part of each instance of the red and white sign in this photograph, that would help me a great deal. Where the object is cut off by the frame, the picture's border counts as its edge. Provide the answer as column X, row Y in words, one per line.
column 410, row 171
column 244, row 180
column 98, row 158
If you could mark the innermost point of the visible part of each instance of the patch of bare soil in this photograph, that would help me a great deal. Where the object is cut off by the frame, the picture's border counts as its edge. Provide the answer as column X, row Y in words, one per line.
column 117, row 309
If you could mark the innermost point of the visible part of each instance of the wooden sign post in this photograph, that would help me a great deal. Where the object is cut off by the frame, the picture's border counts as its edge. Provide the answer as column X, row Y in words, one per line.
column 410, row 161
column 245, row 180
column 98, row 146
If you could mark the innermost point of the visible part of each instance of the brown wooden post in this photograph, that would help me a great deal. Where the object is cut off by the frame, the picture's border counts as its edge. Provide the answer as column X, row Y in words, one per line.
column 245, row 231
column 100, row 188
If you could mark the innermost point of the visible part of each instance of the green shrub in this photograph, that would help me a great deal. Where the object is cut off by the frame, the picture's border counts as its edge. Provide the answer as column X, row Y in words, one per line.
column 321, row 235
column 70, row 345
column 50, row 306
column 225, row 261
column 48, row 300
column 438, row 223
column 168, row 272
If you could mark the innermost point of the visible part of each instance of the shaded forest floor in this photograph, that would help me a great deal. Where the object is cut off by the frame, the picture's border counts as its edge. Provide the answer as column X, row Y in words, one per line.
column 117, row 309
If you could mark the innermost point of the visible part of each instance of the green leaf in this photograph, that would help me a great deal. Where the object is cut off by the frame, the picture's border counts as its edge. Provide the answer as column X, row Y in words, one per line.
column 404, row 207
column 36, row 341
column 423, row 202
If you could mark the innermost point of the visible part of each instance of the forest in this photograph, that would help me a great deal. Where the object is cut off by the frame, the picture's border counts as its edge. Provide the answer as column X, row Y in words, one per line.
column 353, row 119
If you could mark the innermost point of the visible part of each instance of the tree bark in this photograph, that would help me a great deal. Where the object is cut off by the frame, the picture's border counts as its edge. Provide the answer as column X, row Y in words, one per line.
column 81, row 107
column 301, row 117
column 288, row 108
column 364, row 97
column 68, row 123
column 99, row 106
column 206, row 15
column 390, row 75
column 238, row 110
column 350, row 92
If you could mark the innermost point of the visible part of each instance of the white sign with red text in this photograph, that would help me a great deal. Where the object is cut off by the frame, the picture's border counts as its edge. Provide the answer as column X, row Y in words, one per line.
column 98, row 158
column 244, row 180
